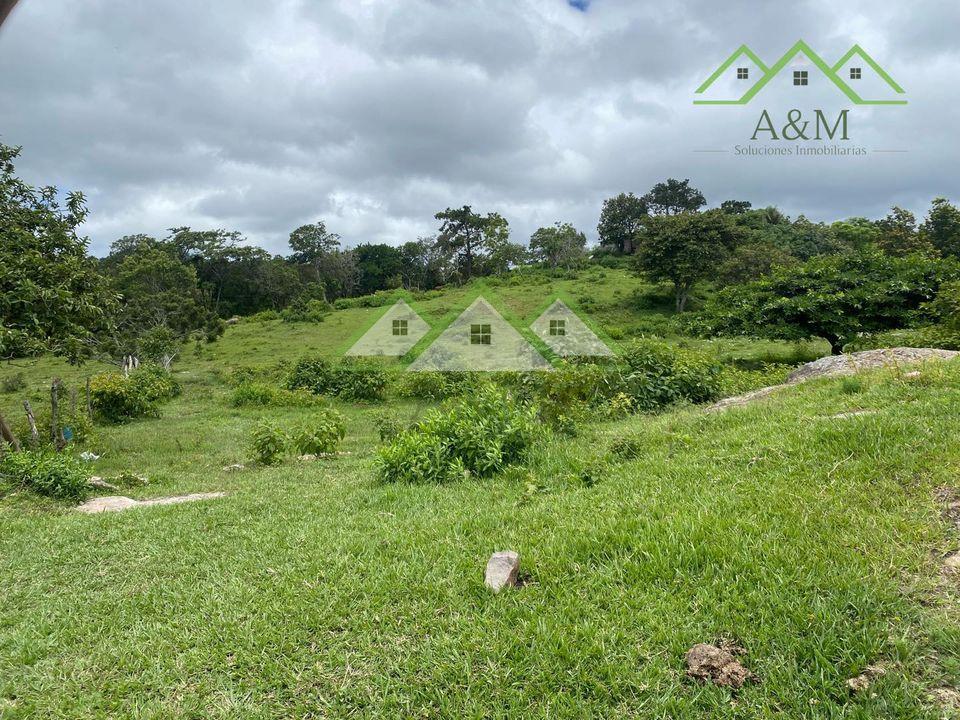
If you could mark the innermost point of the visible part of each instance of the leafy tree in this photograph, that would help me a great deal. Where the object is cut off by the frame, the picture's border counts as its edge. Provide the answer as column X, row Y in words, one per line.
column 834, row 297
column 856, row 233
column 898, row 234
column 424, row 264
column 469, row 236
column 753, row 260
column 311, row 243
column 808, row 239
column 673, row 197
column 685, row 248
column 380, row 267
column 941, row 228
column 620, row 220
column 735, row 207
column 561, row 244
column 52, row 299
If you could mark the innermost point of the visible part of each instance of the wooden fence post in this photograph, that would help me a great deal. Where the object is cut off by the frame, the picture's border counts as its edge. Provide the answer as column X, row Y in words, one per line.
column 56, row 434
column 34, row 433
column 7, row 434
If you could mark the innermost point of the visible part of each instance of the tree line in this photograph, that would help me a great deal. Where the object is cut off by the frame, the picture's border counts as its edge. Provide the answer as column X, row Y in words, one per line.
column 156, row 292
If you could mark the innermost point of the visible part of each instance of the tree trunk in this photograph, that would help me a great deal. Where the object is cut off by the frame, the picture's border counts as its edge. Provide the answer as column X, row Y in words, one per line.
column 7, row 434
column 682, row 293
column 836, row 345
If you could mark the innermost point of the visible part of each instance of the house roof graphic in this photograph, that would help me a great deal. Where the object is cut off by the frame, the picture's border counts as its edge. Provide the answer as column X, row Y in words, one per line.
column 393, row 334
column 566, row 334
column 800, row 48
column 480, row 338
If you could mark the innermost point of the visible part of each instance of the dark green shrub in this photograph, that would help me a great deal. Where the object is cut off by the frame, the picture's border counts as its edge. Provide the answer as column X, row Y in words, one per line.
column 268, row 444
column 314, row 311
column 628, row 448
column 265, row 316
column 116, row 397
column 388, row 427
column 321, row 434
column 350, row 380
column 657, row 375
column 13, row 383
column 259, row 394
column 433, row 385
column 77, row 427
column 479, row 434
column 48, row 473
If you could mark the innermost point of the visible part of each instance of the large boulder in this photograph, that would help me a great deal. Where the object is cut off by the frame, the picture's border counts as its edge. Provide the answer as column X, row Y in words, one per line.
column 851, row 363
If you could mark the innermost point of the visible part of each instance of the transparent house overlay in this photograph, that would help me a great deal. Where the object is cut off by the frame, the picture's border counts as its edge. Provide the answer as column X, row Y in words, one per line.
column 395, row 333
column 480, row 339
column 566, row 334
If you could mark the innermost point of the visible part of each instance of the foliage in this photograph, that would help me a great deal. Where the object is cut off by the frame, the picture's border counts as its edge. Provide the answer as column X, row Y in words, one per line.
column 620, row 220
column 46, row 472
column 561, row 244
column 674, row 197
column 116, row 397
column 310, row 311
column 941, row 228
column 736, row 381
column 433, row 385
column 268, row 443
column 834, row 297
column 898, row 234
column 479, row 435
column 685, row 248
column 751, row 261
column 52, row 299
column 159, row 345
column 350, row 380
column 388, row 427
column 81, row 427
column 13, row 383
column 657, row 375
column 261, row 394
column 470, row 237
column 321, row 434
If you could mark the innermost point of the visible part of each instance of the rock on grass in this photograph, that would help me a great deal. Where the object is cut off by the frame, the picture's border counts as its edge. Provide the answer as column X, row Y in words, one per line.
column 717, row 665
column 503, row 568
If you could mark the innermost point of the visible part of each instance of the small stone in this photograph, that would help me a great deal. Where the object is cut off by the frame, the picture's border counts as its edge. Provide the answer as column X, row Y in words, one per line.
column 951, row 563
column 233, row 468
column 502, row 570
column 307, row 457
column 912, row 375
column 947, row 697
column 718, row 665
column 862, row 681
column 98, row 482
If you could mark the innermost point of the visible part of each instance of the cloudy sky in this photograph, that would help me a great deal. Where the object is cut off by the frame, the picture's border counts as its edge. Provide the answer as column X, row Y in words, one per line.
column 375, row 114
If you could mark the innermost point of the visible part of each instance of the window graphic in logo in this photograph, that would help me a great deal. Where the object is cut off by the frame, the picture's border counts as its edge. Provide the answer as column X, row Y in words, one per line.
column 743, row 75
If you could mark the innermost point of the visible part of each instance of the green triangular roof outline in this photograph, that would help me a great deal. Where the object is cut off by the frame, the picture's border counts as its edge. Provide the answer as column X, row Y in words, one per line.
column 404, row 306
column 573, row 306
column 479, row 287
column 857, row 50
column 800, row 47
column 375, row 313
column 742, row 50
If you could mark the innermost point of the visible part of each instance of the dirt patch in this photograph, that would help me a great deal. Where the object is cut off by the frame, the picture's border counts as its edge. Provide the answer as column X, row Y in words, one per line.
column 865, row 679
column 717, row 665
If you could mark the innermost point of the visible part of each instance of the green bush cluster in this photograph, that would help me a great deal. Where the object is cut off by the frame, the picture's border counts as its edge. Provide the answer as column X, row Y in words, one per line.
column 46, row 472
column 433, row 384
column 80, row 426
column 350, row 380
column 314, row 311
column 479, row 434
column 261, row 394
column 116, row 397
column 377, row 299
column 13, row 383
column 320, row 434
column 656, row 375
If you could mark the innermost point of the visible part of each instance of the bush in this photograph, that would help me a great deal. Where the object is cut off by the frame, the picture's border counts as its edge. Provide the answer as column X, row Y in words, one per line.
column 657, row 375
column 259, row 394
column 80, row 427
column 433, row 385
column 265, row 316
column 116, row 397
column 13, row 383
column 377, row 299
column 314, row 311
column 480, row 435
column 320, row 435
column 351, row 380
column 268, row 444
column 388, row 427
column 45, row 472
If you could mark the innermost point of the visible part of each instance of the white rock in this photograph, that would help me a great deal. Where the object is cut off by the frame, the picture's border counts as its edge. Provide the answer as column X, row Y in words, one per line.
column 502, row 570
column 115, row 503
column 98, row 482
column 233, row 468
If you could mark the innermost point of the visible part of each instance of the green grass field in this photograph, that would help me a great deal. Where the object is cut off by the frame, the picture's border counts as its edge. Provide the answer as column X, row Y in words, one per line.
column 313, row 591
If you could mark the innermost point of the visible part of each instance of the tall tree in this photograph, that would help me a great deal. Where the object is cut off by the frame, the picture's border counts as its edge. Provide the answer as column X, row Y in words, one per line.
column 470, row 236
column 561, row 244
column 685, row 249
column 898, row 234
column 380, row 267
column 310, row 243
column 942, row 227
column 673, row 197
column 52, row 299
column 620, row 220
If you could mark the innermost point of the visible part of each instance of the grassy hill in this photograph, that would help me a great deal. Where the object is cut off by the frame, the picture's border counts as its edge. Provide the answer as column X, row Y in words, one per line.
column 312, row 590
